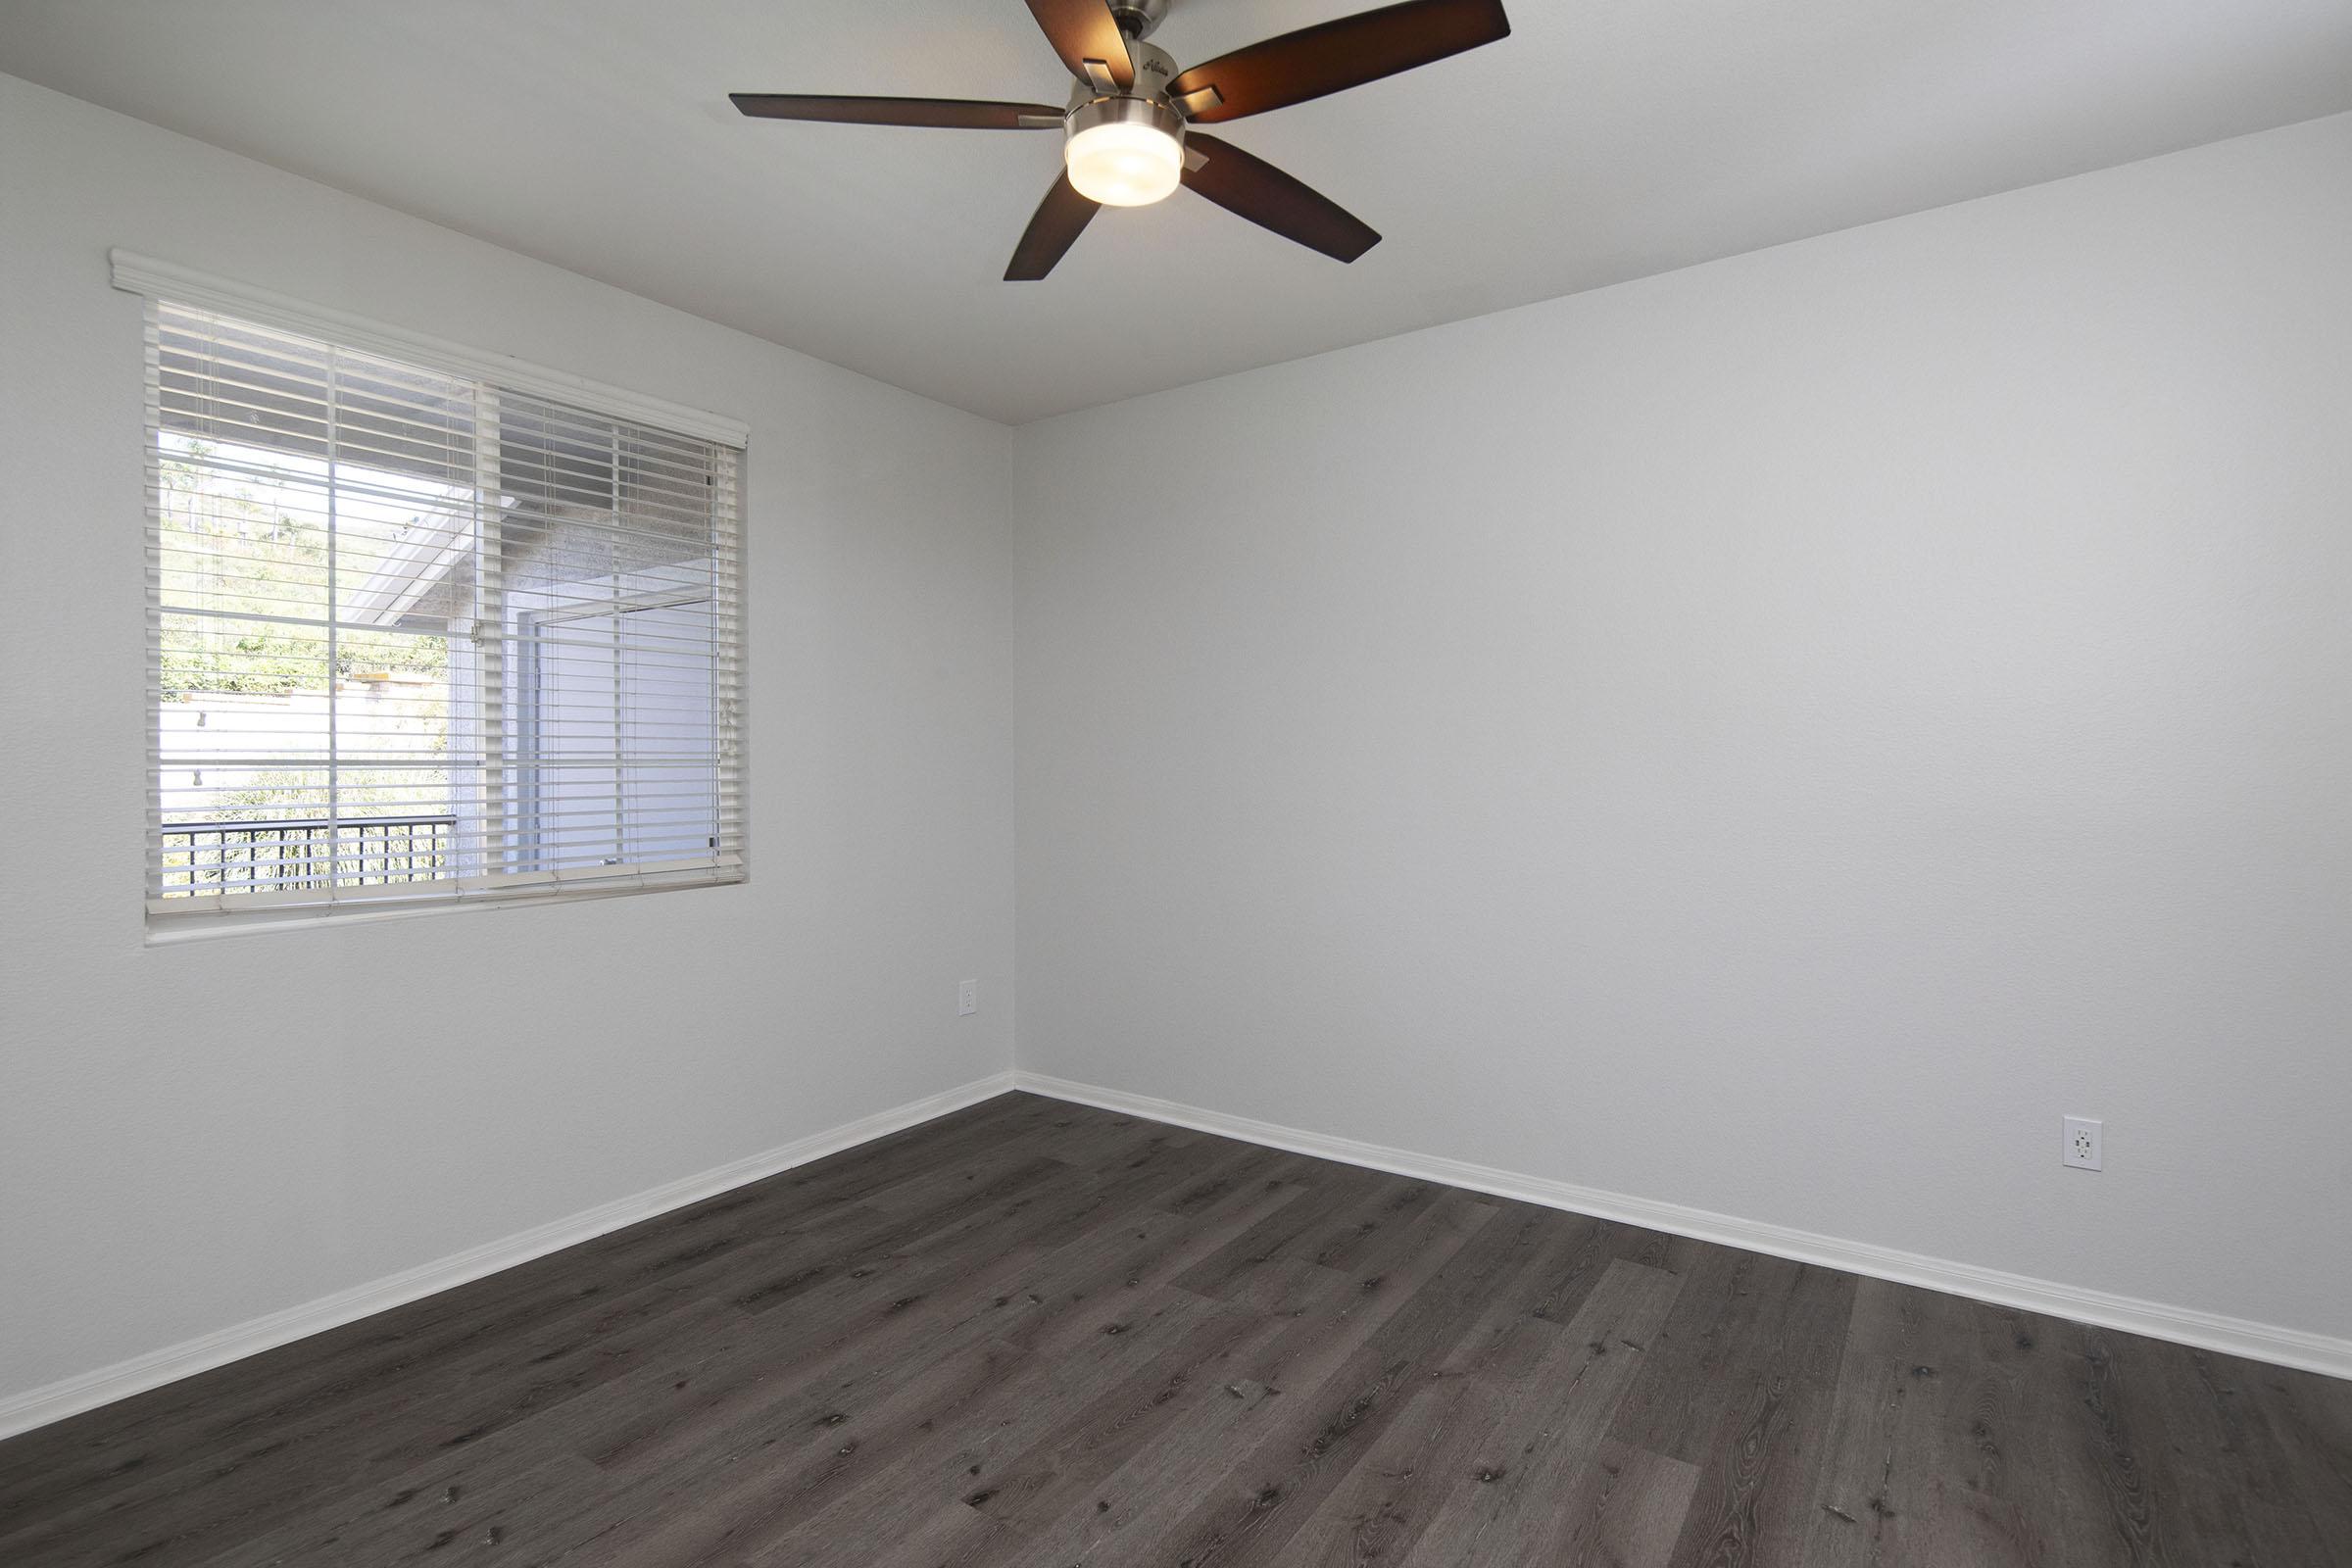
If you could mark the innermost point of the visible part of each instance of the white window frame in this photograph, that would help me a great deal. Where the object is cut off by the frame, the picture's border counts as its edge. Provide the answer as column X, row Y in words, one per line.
column 164, row 281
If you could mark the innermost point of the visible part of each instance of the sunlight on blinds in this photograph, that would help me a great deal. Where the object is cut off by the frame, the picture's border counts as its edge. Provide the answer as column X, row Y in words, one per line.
column 418, row 637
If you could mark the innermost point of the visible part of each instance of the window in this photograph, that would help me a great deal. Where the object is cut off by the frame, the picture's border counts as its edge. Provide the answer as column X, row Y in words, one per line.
column 420, row 636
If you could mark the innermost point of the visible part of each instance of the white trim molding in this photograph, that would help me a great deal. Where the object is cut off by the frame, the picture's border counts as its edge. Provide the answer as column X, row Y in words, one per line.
column 36, row 1407
column 135, row 273
column 2260, row 1341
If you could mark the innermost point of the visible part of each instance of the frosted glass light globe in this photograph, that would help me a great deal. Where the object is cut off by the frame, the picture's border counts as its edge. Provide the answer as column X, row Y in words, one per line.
column 1124, row 164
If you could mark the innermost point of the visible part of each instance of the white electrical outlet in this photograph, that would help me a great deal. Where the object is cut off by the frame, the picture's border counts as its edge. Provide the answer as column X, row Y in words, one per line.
column 2082, row 1142
column 967, row 997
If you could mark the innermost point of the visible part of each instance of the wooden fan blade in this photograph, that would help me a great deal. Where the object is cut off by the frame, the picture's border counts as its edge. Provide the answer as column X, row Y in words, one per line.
column 1333, row 55
column 1251, row 187
column 1082, row 30
column 1056, row 225
column 951, row 113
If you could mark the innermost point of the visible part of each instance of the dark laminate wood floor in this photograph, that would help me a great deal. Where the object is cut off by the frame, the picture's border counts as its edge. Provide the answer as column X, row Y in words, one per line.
column 1039, row 1335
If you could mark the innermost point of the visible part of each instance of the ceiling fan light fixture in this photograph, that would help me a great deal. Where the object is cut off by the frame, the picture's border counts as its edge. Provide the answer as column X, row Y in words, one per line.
column 1126, row 126
column 1124, row 152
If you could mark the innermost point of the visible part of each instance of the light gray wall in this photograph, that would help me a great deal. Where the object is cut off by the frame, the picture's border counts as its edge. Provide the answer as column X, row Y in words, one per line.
column 1773, row 737
column 195, row 1135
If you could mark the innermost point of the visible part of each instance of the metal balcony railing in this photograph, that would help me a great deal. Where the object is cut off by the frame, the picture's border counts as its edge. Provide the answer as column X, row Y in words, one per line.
column 309, row 853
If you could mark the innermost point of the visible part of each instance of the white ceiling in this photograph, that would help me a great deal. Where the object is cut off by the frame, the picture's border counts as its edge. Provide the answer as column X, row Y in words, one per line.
column 1605, row 140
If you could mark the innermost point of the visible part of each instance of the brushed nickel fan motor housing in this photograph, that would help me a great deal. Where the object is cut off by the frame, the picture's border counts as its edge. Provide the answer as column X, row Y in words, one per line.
column 1155, row 69
column 1124, row 109
column 1102, row 101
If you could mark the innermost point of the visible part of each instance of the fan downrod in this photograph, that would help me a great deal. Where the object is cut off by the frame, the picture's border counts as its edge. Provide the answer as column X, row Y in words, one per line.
column 1137, row 18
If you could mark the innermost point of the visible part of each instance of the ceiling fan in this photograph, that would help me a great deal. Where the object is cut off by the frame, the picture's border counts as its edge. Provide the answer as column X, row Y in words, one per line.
column 1127, row 136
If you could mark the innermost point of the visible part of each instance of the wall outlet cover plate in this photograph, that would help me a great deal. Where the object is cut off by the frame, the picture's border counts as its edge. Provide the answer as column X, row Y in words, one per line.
column 2082, row 1143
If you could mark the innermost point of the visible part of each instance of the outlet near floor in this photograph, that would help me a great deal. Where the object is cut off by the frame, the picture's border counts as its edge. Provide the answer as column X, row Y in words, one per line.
column 2082, row 1143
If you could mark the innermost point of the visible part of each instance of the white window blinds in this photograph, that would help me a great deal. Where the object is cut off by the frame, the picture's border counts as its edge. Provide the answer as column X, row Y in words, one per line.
column 421, row 635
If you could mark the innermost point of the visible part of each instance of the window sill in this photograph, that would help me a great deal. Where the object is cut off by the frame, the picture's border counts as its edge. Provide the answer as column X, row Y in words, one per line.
column 180, row 930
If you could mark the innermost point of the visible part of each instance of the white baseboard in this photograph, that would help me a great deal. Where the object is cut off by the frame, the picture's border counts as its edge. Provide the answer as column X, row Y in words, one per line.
column 20, row 1413
column 2260, row 1341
